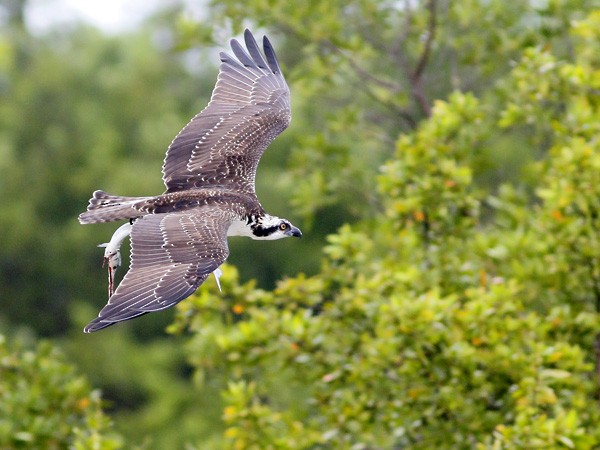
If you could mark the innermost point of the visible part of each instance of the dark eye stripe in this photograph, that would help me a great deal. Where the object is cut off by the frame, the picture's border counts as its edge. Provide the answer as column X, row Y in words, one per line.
column 261, row 232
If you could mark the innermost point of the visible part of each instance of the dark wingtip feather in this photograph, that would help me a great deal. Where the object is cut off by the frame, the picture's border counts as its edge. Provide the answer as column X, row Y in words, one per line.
column 254, row 50
column 241, row 54
column 271, row 56
column 224, row 57
column 227, row 59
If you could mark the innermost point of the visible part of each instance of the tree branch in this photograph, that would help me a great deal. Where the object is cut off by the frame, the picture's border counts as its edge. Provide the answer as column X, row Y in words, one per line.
column 369, row 78
column 416, row 78
column 362, row 73
column 431, row 32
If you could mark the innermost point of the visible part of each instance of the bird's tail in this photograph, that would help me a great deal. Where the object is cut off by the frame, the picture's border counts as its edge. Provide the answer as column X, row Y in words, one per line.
column 105, row 207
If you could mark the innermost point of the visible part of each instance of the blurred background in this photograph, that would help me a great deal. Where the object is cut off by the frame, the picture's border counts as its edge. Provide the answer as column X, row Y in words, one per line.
column 91, row 100
column 92, row 93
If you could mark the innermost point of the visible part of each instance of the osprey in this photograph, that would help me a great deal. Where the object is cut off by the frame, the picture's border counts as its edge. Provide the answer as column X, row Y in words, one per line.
column 180, row 237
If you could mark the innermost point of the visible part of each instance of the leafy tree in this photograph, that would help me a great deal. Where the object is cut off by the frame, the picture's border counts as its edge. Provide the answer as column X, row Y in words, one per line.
column 464, row 312
column 364, row 71
column 458, row 310
column 75, row 113
column 145, row 386
column 81, row 111
column 44, row 403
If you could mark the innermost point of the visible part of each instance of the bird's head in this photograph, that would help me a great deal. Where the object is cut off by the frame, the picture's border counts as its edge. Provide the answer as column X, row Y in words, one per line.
column 270, row 228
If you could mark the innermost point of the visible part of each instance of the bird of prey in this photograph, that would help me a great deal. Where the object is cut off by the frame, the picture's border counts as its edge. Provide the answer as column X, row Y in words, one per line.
column 180, row 237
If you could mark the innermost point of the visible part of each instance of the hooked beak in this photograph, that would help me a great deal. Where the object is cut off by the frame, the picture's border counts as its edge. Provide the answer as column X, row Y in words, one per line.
column 294, row 232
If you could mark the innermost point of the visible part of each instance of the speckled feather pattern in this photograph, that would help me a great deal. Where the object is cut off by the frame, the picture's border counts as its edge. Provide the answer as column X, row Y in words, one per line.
column 223, row 144
column 171, row 255
column 180, row 237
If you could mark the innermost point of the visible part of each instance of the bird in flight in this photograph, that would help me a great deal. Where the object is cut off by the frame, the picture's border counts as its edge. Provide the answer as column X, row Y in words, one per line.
column 180, row 237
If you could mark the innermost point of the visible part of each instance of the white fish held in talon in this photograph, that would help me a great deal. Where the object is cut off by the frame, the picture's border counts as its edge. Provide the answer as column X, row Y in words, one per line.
column 179, row 238
column 112, row 254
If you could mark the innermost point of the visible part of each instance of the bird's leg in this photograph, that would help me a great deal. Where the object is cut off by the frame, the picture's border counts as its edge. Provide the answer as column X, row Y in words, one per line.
column 217, row 273
column 112, row 254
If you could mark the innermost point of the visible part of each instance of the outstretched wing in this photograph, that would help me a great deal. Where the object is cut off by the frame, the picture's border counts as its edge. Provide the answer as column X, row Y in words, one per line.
column 249, row 107
column 171, row 255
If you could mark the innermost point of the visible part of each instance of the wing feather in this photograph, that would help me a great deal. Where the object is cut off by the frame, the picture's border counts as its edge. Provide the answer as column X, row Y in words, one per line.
column 271, row 56
column 257, row 57
column 249, row 107
column 171, row 255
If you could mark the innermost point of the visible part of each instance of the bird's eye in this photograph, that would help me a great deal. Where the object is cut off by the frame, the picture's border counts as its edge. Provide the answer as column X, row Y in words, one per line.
column 283, row 226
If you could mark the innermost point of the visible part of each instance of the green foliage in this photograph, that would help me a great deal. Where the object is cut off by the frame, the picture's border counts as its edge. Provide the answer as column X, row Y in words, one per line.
column 448, row 148
column 76, row 115
column 361, row 72
column 146, row 386
column 81, row 111
column 44, row 403
column 464, row 314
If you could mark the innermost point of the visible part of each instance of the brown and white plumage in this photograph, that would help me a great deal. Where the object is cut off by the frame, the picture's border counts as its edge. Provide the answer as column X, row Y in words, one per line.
column 180, row 237
column 249, row 107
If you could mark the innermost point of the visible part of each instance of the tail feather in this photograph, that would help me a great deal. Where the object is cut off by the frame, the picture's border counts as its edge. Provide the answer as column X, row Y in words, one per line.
column 105, row 207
